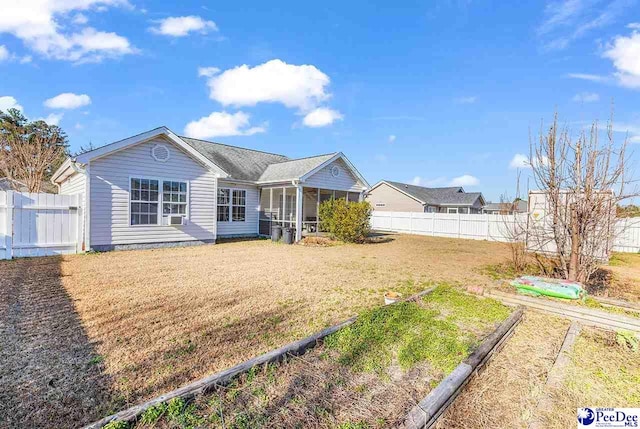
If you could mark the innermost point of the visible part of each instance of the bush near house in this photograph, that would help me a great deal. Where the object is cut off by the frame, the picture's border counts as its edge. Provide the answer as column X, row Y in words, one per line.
column 346, row 221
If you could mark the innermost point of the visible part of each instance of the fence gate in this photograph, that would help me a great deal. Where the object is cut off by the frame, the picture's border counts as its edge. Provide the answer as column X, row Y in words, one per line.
column 34, row 224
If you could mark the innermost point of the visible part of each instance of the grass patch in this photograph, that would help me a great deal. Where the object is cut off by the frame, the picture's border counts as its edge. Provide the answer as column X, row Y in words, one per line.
column 414, row 332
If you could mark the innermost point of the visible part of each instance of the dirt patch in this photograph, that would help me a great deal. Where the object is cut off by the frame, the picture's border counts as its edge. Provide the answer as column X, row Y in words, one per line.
column 507, row 391
column 602, row 372
column 50, row 370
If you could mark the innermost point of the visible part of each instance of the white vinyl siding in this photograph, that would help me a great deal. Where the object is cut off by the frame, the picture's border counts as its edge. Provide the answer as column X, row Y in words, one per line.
column 345, row 181
column 73, row 185
column 250, row 225
column 109, row 189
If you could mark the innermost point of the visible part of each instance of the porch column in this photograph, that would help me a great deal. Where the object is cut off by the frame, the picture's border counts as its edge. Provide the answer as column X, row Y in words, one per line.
column 299, row 195
column 318, row 213
column 284, row 207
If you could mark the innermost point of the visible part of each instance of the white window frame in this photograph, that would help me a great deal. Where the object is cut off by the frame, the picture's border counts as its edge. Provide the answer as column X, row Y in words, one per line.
column 161, row 216
column 452, row 210
column 231, row 205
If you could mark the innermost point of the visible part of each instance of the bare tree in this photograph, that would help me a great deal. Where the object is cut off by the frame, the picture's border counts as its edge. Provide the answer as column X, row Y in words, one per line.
column 29, row 151
column 581, row 182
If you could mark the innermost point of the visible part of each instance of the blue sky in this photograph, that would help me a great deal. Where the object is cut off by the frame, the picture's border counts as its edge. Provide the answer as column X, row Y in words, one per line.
column 436, row 93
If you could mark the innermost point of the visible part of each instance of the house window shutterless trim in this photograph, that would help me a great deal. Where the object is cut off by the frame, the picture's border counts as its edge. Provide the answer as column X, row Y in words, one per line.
column 152, row 199
column 232, row 205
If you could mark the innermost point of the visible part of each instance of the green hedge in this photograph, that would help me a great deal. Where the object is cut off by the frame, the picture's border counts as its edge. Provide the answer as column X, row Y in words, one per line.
column 346, row 221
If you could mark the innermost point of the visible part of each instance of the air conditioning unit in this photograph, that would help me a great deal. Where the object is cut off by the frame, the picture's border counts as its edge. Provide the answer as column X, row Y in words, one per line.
column 175, row 220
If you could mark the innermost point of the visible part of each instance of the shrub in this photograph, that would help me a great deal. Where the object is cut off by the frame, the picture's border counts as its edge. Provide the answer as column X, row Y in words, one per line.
column 346, row 221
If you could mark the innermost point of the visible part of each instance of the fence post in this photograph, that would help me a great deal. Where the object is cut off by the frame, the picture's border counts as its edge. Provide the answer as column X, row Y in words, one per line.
column 8, row 229
column 80, row 223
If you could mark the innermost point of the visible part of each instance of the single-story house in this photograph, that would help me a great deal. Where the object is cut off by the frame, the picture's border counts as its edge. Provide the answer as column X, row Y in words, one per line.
column 157, row 188
column 387, row 195
column 518, row 206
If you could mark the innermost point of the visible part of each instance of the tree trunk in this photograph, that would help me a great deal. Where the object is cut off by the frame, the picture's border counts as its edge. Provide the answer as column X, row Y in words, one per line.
column 575, row 244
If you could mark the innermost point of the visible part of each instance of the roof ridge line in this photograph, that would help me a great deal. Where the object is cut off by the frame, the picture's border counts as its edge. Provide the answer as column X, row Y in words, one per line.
column 304, row 157
column 237, row 147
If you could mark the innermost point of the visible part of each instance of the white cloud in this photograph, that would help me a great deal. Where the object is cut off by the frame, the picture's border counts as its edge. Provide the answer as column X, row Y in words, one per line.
column 275, row 81
column 632, row 131
column 466, row 100
column 625, row 54
column 208, row 71
column 568, row 20
column 392, row 138
column 80, row 19
column 8, row 102
column 180, row 26
column 589, row 77
column 222, row 124
column 53, row 118
column 321, row 117
column 519, row 161
column 78, row 126
column 4, row 53
column 430, row 183
column 40, row 24
column 68, row 100
column 464, row 180
column 634, row 26
column 586, row 97
column 26, row 59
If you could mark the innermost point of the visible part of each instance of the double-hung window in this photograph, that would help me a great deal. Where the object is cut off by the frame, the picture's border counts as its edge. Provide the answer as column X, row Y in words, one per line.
column 144, row 202
column 239, row 207
column 232, row 205
column 174, row 198
column 151, row 200
column 224, row 205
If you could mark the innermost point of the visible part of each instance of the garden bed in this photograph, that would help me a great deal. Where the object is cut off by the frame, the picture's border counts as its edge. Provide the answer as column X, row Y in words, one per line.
column 368, row 374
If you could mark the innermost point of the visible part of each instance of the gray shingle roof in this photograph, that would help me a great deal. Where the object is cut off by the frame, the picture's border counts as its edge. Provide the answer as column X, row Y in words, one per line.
column 453, row 195
column 238, row 162
column 293, row 169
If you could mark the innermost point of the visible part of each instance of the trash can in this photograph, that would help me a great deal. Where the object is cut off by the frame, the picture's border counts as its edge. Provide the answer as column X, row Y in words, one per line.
column 276, row 232
column 288, row 235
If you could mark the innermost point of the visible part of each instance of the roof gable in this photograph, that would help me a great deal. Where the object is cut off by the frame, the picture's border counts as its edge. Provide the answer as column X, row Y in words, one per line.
column 293, row 169
column 143, row 137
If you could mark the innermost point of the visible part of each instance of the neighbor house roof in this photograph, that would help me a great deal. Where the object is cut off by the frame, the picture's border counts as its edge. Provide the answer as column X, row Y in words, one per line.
column 447, row 196
column 519, row 206
column 238, row 162
column 7, row 184
column 294, row 168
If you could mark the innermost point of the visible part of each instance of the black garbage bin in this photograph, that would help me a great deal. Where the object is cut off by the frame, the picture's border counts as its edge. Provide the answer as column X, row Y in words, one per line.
column 276, row 232
column 287, row 235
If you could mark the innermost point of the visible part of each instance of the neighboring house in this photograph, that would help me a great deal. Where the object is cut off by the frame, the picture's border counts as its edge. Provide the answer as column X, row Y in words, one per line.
column 7, row 184
column 401, row 197
column 518, row 206
column 157, row 188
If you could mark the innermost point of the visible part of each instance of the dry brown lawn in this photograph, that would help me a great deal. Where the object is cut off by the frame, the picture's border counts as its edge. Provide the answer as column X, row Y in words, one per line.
column 85, row 335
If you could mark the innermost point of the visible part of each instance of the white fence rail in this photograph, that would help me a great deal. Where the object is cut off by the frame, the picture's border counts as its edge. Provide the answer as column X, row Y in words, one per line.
column 39, row 224
column 484, row 227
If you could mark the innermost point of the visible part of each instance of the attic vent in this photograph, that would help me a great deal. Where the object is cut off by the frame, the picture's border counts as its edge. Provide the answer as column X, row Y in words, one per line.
column 335, row 171
column 160, row 153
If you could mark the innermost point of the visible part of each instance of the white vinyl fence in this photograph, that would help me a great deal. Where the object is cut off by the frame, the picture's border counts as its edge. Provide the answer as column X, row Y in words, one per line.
column 39, row 224
column 484, row 227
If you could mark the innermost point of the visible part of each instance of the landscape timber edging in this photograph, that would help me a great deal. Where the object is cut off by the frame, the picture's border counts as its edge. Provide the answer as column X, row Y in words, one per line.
column 427, row 411
column 584, row 315
column 223, row 377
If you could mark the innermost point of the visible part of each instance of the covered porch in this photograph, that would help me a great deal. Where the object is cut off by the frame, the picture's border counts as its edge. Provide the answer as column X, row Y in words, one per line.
column 296, row 207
